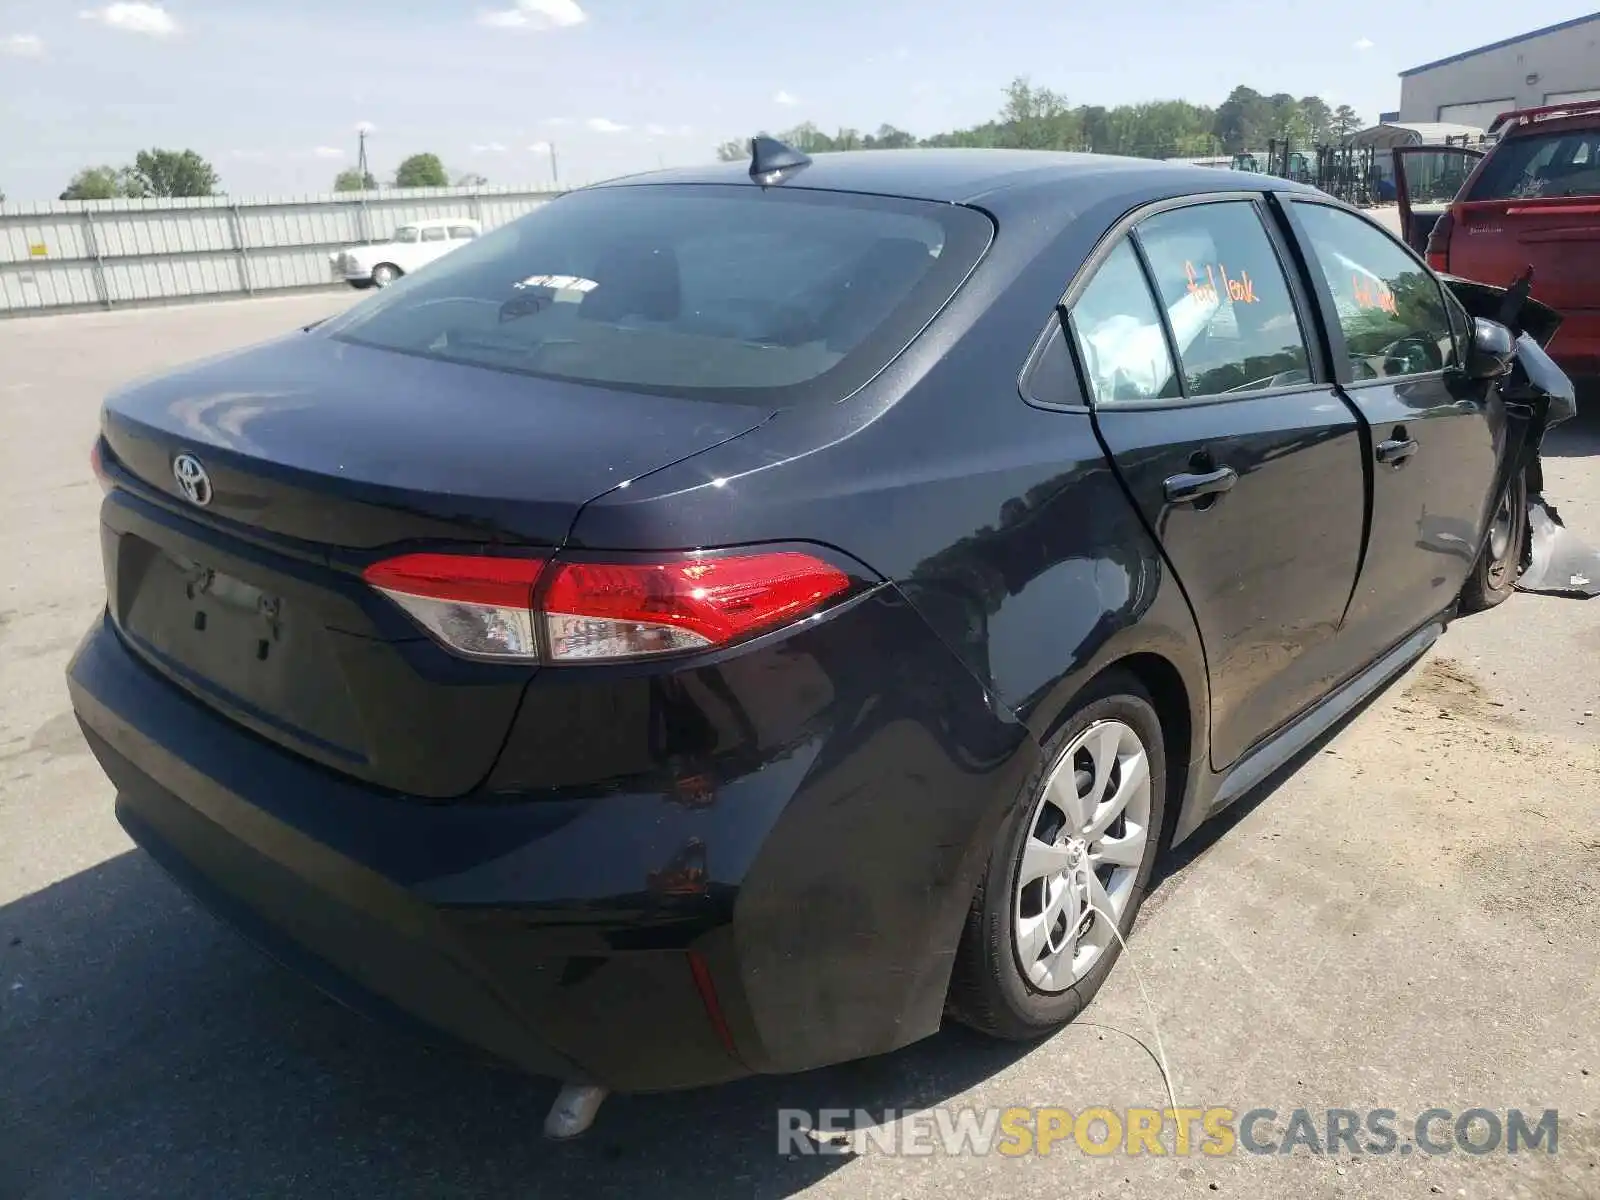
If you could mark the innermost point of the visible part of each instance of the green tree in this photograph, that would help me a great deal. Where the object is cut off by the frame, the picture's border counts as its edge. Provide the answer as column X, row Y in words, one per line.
column 1095, row 120
column 421, row 170
column 1345, row 121
column 889, row 138
column 1037, row 118
column 169, row 173
column 97, row 183
column 1319, row 119
column 1244, row 120
column 1288, row 122
column 352, row 179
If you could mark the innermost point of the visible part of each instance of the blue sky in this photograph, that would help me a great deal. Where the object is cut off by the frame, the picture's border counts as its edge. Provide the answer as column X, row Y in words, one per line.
column 273, row 92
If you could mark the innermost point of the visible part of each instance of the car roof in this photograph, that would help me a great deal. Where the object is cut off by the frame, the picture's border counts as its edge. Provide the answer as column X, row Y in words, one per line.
column 965, row 176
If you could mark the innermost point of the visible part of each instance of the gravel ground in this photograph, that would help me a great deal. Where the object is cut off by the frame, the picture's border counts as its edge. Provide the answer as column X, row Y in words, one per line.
column 1405, row 921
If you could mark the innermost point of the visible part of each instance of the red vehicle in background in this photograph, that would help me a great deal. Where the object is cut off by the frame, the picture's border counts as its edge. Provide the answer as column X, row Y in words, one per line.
column 1532, row 199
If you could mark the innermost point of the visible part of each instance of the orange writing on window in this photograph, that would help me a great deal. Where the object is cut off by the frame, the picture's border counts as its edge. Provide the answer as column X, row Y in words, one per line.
column 1373, row 293
column 1241, row 290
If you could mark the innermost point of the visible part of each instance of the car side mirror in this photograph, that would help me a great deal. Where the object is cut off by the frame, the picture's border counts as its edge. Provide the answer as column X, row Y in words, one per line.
column 1493, row 350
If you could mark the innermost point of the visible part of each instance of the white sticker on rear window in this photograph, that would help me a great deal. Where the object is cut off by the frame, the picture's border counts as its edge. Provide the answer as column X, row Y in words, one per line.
column 560, row 283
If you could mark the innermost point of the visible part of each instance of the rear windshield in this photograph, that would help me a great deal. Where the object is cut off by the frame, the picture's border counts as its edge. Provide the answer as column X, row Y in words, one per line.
column 1542, row 165
column 736, row 293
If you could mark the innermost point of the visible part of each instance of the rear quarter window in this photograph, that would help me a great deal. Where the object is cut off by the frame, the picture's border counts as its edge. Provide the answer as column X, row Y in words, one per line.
column 765, row 296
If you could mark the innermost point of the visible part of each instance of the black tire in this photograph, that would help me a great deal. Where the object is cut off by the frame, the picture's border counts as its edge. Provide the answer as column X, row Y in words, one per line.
column 1494, row 576
column 988, row 990
column 360, row 285
column 384, row 274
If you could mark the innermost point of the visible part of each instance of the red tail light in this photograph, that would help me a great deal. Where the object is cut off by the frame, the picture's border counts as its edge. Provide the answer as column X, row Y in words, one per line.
column 499, row 608
column 1439, row 243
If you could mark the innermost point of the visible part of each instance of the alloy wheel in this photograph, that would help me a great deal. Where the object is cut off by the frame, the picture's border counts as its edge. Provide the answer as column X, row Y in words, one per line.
column 1087, row 835
column 1500, row 540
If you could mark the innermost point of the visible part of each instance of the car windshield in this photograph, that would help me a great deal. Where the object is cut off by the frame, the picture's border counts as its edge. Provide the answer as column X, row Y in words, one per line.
column 735, row 293
column 1542, row 165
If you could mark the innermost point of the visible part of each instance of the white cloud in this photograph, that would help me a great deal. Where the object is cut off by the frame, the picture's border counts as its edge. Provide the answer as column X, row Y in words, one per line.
column 1363, row 44
column 248, row 155
column 556, row 122
column 540, row 147
column 669, row 130
column 786, row 98
column 489, row 148
column 605, row 125
column 328, row 152
column 366, row 127
column 22, row 45
column 537, row 15
column 149, row 19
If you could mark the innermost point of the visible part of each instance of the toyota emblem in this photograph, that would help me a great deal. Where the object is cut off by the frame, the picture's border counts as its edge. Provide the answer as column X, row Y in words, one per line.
column 192, row 479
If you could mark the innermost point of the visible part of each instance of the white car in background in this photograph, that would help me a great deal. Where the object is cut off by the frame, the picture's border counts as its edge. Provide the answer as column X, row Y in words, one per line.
column 413, row 245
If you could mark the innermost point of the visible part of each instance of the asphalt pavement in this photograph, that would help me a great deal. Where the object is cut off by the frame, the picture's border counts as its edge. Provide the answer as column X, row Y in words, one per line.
column 1406, row 921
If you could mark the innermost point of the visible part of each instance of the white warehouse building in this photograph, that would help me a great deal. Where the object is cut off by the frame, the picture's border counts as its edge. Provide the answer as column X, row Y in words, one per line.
column 1559, row 64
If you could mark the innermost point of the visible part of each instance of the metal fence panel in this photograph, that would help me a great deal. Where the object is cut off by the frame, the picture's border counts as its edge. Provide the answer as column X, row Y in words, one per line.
column 281, row 268
column 47, row 286
column 28, row 239
column 57, row 255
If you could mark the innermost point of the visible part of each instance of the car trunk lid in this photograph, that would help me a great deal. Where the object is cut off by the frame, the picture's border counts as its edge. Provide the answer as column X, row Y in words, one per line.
column 319, row 458
column 337, row 444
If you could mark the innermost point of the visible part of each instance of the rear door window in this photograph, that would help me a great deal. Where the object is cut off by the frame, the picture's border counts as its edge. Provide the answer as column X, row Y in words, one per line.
column 736, row 293
column 1541, row 166
column 1117, row 327
column 1391, row 309
column 1226, row 299
column 434, row 233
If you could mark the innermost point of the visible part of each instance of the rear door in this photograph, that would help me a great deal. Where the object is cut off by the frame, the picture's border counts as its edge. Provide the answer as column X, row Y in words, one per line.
column 1436, row 438
column 1231, row 440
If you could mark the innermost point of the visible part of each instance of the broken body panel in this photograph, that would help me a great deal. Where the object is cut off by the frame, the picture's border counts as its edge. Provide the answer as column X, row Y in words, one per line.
column 1539, row 395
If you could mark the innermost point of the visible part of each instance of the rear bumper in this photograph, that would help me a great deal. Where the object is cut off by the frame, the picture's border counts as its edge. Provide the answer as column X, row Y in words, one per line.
column 559, row 934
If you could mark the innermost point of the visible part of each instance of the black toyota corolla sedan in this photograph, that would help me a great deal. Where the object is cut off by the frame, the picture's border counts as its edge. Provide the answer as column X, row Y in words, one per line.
column 728, row 620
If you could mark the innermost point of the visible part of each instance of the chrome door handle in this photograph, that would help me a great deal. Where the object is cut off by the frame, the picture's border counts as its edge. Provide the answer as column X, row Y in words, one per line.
column 1189, row 487
column 1396, row 451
